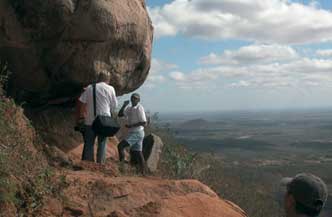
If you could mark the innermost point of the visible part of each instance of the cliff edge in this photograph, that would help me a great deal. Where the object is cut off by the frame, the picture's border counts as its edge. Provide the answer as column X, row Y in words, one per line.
column 31, row 187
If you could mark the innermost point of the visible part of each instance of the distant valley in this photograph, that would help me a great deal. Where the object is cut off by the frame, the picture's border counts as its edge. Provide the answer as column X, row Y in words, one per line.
column 266, row 144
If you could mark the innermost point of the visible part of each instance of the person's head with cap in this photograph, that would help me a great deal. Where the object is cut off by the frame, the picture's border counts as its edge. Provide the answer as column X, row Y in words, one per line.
column 135, row 99
column 306, row 195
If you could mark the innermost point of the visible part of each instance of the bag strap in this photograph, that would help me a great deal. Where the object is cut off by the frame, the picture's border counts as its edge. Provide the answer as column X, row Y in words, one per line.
column 94, row 99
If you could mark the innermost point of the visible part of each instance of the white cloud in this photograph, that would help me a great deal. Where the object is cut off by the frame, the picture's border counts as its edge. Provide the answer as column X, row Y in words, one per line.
column 306, row 65
column 258, row 66
column 157, row 72
column 297, row 73
column 159, row 66
column 315, row 4
column 264, row 82
column 197, row 76
column 324, row 53
column 253, row 54
column 178, row 76
column 240, row 84
column 161, row 25
column 272, row 21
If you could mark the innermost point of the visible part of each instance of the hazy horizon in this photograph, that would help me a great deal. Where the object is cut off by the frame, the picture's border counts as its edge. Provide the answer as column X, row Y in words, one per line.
column 290, row 109
column 272, row 114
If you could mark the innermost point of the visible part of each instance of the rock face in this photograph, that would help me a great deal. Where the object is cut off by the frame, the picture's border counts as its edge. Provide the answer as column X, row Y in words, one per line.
column 93, row 194
column 152, row 148
column 101, row 191
column 55, row 47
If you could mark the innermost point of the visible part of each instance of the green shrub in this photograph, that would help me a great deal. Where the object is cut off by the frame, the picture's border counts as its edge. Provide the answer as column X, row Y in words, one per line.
column 8, row 190
column 177, row 162
column 34, row 190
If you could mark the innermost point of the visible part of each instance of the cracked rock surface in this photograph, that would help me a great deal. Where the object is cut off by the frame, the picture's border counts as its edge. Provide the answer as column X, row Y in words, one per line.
column 56, row 47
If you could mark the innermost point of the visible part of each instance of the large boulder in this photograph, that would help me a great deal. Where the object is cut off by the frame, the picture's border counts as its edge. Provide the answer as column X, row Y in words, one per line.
column 152, row 148
column 55, row 47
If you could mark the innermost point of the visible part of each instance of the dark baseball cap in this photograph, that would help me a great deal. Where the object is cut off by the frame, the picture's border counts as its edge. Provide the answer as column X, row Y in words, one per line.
column 307, row 189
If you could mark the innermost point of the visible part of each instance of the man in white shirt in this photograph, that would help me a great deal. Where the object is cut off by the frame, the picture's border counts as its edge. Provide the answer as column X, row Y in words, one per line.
column 136, row 122
column 106, row 104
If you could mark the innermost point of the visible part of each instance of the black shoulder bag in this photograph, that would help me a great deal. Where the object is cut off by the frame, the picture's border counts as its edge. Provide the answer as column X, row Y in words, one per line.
column 103, row 125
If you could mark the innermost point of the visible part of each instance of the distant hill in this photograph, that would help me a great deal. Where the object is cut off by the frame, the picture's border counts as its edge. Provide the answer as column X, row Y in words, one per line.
column 198, row 123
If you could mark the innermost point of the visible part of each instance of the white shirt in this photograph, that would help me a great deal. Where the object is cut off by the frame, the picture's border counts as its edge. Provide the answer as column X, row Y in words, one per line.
column 135, row 114
column 106, row 101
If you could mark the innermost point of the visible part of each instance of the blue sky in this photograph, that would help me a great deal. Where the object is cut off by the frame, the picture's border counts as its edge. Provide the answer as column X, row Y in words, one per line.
column 214, row 55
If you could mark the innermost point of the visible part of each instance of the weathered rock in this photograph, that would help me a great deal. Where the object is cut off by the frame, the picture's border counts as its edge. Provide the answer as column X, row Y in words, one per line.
column 7, row 209
column 52, row 207
column 55, row 47
column 57, row 157
column 152, row 148
column 98, row 195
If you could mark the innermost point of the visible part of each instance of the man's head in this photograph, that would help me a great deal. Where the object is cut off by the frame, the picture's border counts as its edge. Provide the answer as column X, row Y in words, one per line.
column 103, row 76
column 306, row 195
column 135, row 99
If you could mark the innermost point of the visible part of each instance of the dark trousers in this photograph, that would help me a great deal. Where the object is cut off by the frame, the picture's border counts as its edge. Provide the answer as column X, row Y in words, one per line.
column 89, row 143
column 136, row 157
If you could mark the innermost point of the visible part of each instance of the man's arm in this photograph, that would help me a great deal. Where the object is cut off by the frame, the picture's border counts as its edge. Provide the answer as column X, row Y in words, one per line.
column 80, row 111
column 81, row 107
column 121, row 112
column 114, row 101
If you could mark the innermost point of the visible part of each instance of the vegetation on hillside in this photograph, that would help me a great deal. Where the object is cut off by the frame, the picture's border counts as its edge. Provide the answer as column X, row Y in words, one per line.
column 247, row 174
column 235, row 183
column 25, row 177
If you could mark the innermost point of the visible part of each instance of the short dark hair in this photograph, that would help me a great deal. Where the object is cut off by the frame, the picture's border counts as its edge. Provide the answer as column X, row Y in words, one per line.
column 135, row 95
column 303, row 209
